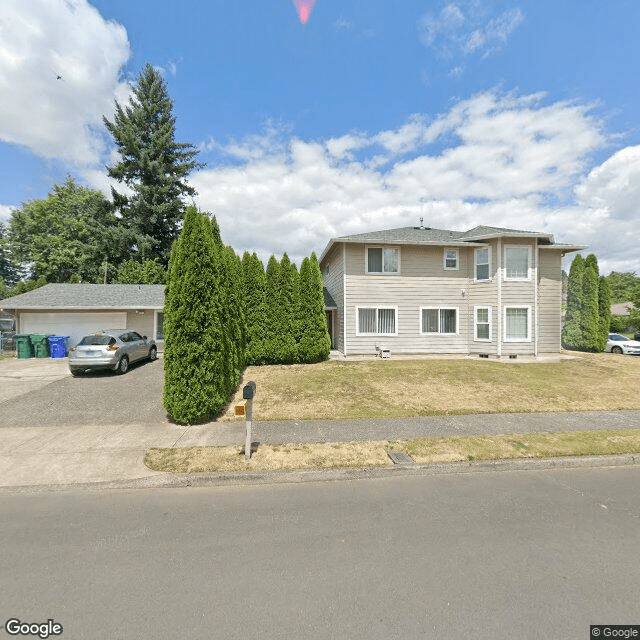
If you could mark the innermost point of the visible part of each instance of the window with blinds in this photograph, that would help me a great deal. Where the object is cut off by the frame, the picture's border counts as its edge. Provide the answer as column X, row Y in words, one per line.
column 516, row 263
column 376, row 321
column 516, row 324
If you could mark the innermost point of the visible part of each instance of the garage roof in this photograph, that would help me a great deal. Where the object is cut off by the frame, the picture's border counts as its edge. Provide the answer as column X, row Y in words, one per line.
column 89, row 296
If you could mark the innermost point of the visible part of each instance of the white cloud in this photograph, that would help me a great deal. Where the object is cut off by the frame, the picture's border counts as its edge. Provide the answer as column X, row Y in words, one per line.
column 467, row 27
column 60, row 63
column 504, row 160
column 5, row 213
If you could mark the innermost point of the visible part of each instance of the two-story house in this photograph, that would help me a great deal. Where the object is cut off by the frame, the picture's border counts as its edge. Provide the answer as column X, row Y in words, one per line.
column 415, row 290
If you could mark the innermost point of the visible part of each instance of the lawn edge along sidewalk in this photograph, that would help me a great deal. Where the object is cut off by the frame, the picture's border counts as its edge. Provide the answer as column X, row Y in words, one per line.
column 177, row 481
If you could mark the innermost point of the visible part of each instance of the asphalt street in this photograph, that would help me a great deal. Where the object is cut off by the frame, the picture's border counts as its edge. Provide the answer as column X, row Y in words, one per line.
column 527, row 555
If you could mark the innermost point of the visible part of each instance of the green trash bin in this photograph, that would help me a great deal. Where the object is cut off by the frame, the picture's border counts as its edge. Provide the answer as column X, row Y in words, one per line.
column 40, row 345
column 24, row 348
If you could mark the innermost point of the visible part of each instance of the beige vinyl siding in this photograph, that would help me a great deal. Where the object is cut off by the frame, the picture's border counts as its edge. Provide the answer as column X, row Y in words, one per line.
column 408, row 294
column 549, row 301
column 141, row 321
column 415, row 261
column 333, row 280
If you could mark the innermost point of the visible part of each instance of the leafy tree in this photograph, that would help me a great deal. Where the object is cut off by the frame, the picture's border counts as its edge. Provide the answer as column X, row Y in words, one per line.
column 314, row 344
column 624, row 287
column 195, row 386
column 254, row 294
column 9, row 273
column 572, row 329
column 66, row 235
column 147, row 272
column 237, row 328
column 604, row 312
column 153, row 166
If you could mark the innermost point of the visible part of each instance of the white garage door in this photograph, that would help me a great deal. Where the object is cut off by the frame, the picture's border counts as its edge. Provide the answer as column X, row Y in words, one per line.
column 75, row 325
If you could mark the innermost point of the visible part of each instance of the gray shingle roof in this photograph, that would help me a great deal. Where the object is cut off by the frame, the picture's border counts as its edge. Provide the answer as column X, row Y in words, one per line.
column 329, row 302
column 89, row 296
column 425, row 235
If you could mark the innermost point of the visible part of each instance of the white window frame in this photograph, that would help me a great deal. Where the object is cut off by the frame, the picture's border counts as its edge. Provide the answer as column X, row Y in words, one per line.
column 438, row 309
column 475, row 264
column 504, row 313
column 377, row 308
column 156, row 323
column 529, row 256
column 383, row 272
column 476, row 323
column 444, row 259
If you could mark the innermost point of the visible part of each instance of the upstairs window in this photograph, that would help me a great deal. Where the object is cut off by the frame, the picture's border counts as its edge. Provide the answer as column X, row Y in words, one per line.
column 451, row 259
column 383, row 260
column 483, row 261
column 516, row 262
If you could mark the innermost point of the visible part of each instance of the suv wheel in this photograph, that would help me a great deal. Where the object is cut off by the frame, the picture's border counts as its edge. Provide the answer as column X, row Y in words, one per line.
column 616, row 350
column 76, row 372
column 123, row 365
column 153, row 354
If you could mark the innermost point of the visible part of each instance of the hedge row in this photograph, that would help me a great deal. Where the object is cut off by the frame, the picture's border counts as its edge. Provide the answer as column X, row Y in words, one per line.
column 222, row 313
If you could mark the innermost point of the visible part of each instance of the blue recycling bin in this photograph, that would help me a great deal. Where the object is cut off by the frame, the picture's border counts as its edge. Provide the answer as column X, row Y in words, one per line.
column 58, row 346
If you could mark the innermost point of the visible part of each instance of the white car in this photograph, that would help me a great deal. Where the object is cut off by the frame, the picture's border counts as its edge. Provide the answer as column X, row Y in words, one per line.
column 621, row 344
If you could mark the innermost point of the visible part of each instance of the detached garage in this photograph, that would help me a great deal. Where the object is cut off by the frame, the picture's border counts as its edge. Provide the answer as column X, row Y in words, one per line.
column 77, row 309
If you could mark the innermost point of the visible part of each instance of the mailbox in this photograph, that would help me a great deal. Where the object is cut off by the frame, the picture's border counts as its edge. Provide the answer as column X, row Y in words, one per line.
column 249, row 390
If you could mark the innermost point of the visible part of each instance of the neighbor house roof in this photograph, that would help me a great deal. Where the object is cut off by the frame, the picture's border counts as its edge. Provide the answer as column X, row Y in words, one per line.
column 622, row 308
column 425, row 235
column 89, row 296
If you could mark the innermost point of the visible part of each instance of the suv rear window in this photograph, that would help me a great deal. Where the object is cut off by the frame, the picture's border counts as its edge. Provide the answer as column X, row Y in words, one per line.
column 97, row 340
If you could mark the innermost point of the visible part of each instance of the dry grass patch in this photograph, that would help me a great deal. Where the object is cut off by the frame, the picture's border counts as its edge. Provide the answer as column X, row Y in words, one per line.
column 537, row 445
column 268, row 457
column 337, row 390
column 374, row 454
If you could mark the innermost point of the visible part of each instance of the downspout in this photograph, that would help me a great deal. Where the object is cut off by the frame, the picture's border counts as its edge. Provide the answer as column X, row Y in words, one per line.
column 499, row 314
column 535, row 301
column 344, row 297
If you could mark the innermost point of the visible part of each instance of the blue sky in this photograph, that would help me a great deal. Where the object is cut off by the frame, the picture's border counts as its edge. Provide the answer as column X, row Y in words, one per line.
column 520, row 113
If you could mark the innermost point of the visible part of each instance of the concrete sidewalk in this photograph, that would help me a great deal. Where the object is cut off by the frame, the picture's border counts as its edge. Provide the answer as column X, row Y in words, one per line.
column 61, row 456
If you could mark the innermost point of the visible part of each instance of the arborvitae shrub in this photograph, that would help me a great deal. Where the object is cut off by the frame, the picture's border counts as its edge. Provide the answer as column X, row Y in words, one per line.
column 194, row 356
column 315, row 343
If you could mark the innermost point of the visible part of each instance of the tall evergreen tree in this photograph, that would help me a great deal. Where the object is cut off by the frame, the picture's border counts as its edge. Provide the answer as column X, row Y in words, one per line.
column 152, row 165
column 289, row 302
column 604, row 311
column 254, row 294
column 194, row 358
column 590, row 324
column 273, row 320
column 315, row 343
column 572, row 329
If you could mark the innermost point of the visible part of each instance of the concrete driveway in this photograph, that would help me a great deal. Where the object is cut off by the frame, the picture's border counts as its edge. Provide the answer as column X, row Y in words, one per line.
column 57, row 429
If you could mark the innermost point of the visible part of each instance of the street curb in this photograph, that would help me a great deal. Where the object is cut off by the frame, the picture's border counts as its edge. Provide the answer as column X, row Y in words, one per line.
column 179, row 481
